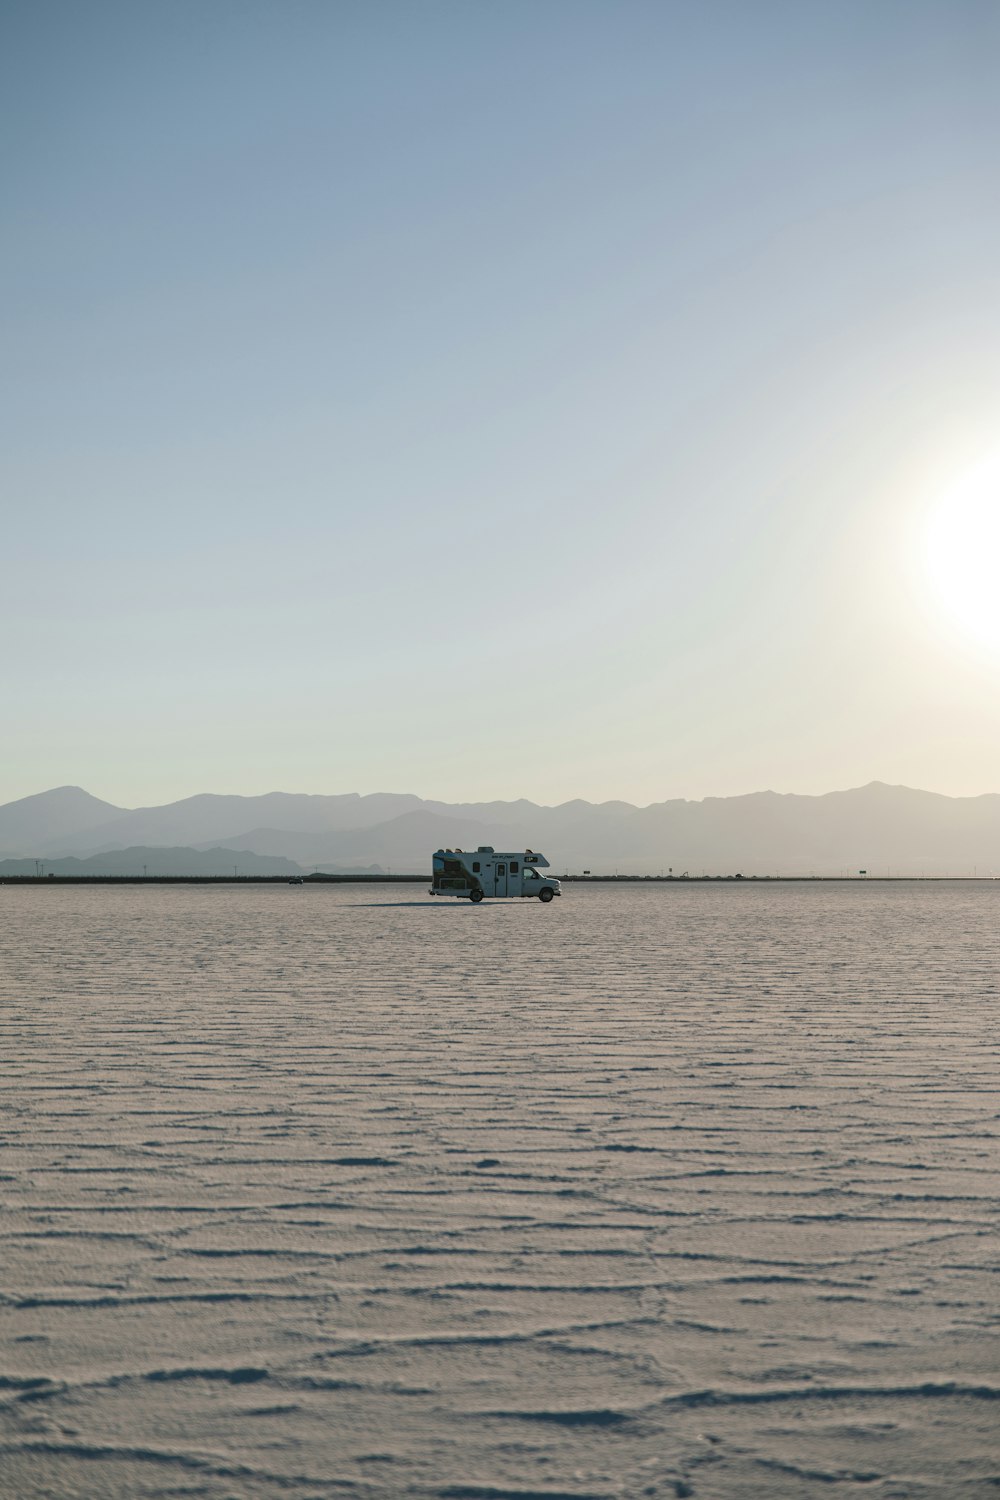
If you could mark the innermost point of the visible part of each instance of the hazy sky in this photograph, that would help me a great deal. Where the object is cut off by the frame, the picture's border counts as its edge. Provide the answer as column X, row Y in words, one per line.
column 503, row 399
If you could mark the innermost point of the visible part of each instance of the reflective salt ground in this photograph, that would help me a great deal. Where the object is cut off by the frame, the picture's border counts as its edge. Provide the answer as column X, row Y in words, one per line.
column 682, row 1190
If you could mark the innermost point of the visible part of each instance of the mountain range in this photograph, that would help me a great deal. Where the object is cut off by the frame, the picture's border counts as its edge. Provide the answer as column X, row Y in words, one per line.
column 877, row 828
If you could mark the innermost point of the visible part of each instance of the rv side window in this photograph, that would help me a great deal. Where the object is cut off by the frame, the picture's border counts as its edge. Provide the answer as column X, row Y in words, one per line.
column 475, row 867
column 513, row 867
column 530, row 874
column 501, row 869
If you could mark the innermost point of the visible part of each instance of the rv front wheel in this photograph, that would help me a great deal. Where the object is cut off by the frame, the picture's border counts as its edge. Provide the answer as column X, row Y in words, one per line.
column 475, row 895
column 545, row 895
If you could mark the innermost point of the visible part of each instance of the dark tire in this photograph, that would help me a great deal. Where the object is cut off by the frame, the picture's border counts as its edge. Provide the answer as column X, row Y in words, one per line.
column 475, row 895
column 546, row 895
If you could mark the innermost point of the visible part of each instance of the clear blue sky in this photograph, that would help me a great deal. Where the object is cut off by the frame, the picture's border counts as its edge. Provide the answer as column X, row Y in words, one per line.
column 487, row 400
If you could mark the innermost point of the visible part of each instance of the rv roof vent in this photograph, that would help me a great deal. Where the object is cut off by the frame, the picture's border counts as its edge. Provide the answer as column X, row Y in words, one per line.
column 485, row 849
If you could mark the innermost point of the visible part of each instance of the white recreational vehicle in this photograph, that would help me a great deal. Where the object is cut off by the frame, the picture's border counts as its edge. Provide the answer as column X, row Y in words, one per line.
column 487, row 873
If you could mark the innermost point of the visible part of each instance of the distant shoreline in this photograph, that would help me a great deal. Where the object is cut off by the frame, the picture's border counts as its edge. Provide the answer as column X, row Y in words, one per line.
column 46, row 880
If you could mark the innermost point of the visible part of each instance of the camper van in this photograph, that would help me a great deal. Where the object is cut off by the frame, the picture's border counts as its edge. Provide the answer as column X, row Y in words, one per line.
column 487, row 873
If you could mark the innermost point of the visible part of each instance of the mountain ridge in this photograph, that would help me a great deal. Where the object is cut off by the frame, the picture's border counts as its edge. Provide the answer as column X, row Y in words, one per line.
column 877, row 826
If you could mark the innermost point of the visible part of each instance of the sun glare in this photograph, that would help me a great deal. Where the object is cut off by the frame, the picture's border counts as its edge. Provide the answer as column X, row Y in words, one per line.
column 962, row 553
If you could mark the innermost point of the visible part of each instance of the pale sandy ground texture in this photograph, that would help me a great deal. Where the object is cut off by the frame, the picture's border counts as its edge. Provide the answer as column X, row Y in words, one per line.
column 672, row 1191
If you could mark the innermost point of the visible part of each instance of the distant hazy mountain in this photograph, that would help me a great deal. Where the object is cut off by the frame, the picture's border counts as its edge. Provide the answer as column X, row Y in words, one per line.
column 205, row 819
column 403, row 844
column 63, row 813
column 142, row 861
column 876, row 828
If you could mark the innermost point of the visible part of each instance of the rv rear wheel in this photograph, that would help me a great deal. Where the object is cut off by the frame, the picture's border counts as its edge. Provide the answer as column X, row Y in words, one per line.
column 545, row 895
column 475, row 895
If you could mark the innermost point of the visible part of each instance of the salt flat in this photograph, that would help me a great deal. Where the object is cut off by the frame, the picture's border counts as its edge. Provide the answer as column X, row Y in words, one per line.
column 682, row 1190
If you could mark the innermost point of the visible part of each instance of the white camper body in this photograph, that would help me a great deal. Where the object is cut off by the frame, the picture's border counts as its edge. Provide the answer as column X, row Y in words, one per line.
column 458, row 872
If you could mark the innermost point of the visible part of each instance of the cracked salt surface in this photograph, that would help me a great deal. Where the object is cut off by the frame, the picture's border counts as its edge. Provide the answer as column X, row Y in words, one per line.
column 662, row 1191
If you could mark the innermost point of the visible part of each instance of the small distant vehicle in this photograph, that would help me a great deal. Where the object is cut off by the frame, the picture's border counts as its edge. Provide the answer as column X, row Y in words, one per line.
column 487, row 873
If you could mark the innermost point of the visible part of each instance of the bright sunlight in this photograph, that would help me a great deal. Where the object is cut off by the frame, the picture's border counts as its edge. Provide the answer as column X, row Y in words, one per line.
column 962, row 552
